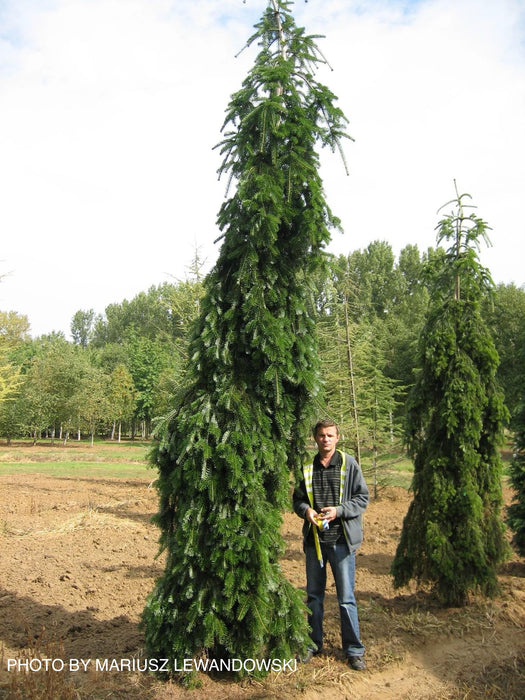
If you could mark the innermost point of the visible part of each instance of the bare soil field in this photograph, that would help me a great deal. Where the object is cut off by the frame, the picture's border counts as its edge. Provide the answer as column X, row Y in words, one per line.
column 78, row 560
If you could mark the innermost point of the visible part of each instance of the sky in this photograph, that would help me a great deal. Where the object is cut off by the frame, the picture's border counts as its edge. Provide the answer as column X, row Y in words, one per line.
column 110, row 111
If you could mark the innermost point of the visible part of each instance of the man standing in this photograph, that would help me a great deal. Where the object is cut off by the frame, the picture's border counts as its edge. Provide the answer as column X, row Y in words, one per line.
column 331, row 498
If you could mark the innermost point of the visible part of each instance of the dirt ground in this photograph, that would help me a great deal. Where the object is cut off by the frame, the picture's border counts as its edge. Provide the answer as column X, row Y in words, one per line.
column 78, row 560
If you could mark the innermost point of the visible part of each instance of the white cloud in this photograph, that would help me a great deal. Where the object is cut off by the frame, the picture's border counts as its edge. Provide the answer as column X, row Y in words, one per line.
column 437, row 96
column 109, row 110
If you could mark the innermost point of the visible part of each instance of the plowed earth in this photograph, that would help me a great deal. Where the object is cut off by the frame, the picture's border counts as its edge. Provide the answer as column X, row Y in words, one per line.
column 78, row 560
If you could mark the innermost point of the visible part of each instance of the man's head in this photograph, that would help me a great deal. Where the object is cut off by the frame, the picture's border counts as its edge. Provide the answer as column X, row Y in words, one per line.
column 326, row 423
column 326, row 436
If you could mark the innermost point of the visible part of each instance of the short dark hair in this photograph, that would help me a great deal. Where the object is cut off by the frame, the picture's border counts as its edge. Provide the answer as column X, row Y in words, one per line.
column 325, row 423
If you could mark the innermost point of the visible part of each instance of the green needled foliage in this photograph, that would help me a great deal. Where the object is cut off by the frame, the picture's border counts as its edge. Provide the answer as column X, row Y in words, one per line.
column 239, row 427
column 516, row 512
column 453, row 533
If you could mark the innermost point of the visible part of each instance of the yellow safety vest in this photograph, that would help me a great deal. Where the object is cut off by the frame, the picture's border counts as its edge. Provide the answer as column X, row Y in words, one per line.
column 308, row 472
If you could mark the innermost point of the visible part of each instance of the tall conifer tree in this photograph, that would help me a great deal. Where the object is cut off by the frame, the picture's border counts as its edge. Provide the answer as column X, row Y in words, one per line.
column 516, row 513
column 453, row 533
column 239, row 427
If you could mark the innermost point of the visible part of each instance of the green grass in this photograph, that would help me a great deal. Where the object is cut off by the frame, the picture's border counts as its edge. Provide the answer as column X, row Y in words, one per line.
column 130, row 460
column 401, row 478
column 77, row 459
column 397, row 470
column 393, row 469
column 66, row 469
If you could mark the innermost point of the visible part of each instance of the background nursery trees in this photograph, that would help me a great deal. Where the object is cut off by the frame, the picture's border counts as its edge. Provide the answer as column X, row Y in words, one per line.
column 516, row 512
column 238, row 426
column 453, row 533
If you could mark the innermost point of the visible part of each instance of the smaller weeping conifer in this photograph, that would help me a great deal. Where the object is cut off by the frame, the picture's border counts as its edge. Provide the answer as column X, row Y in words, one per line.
column 453, row 533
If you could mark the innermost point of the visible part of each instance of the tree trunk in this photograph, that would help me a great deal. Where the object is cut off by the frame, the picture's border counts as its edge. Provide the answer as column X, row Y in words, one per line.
column 352, row 382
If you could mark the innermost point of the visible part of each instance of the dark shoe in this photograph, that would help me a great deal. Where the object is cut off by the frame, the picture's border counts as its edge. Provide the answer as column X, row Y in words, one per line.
column 357, row 663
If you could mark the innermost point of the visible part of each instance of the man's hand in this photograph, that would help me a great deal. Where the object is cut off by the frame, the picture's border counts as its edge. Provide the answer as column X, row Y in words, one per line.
column 329, row 513
column 311, row 514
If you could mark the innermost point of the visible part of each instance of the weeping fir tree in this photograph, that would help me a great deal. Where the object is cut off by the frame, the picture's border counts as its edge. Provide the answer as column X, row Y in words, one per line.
column 239, row 426
column 453, row 533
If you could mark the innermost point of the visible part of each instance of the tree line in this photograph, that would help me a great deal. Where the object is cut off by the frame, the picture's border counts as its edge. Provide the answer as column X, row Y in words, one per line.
column 110, row 380
column 120, row 370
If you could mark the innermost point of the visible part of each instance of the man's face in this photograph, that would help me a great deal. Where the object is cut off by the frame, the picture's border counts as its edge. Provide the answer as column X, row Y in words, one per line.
column 327, row 439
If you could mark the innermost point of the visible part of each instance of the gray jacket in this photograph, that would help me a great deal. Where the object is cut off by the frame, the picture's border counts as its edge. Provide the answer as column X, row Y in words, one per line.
column 353, row 503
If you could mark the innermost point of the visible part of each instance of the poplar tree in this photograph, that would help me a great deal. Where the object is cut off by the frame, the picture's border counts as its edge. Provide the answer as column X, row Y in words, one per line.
column 239, row 425
column 453, row 533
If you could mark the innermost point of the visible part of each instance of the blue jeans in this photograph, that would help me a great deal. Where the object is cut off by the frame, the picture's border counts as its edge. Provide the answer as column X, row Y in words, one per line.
column 342, row 563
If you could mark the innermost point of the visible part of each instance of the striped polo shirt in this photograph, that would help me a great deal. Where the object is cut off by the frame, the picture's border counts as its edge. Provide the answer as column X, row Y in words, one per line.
column 326, row 485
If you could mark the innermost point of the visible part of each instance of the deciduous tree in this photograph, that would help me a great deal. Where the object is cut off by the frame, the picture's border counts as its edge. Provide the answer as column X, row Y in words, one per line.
column 83, row 327
column 14, row 330
column 121, row 398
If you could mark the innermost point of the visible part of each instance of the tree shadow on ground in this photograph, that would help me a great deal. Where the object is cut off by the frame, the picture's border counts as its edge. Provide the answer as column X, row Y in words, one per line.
column 82, row 634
